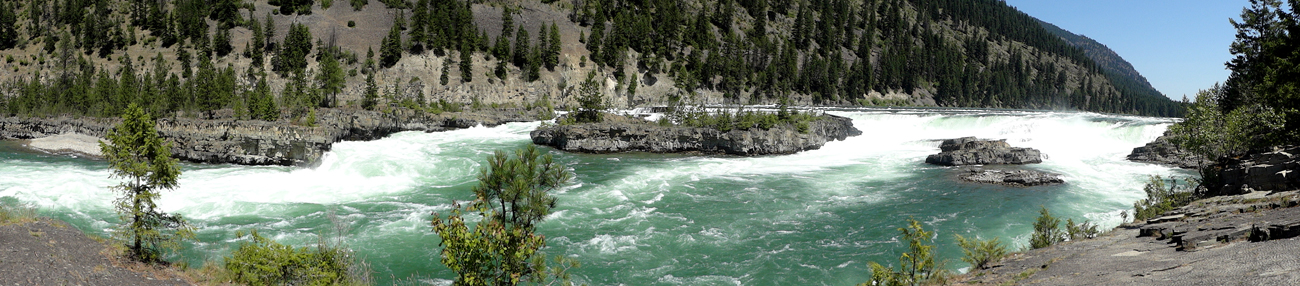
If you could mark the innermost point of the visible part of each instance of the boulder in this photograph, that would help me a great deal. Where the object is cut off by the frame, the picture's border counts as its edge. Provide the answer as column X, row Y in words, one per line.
column 1163, row 152
column 1017, row 178
column 973, row 151
column 628, row 136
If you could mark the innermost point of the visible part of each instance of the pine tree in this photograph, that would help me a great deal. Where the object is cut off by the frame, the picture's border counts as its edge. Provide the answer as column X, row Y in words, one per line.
column 444, row 77
column 330, row 78
column 391, row 50
column 371, row 97
column 466, row 64
column 521, row 49
column 8, row 24
column 502, row 248
column 553, row 51
column 137, row 154
column 221, row 43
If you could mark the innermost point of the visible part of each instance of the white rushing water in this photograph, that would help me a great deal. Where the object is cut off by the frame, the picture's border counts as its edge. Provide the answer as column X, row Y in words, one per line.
column 814, row 217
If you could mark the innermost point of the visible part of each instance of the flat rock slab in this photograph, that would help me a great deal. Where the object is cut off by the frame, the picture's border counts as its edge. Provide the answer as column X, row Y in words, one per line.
column 1017, row 178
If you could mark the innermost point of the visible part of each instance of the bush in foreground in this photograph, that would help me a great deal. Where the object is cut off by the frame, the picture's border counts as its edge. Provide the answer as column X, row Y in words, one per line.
column 263, row 261
column 917, row 266
column 981, row 253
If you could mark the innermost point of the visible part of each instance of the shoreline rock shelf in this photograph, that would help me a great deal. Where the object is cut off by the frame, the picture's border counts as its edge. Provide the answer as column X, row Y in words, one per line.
column 647, row 137
column 972, row 151
column 250, row 142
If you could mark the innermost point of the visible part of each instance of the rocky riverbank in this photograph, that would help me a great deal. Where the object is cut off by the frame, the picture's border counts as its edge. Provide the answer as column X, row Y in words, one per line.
column 626, row 136
column 252, row 142
column 1163, row 152
column 1244, row 233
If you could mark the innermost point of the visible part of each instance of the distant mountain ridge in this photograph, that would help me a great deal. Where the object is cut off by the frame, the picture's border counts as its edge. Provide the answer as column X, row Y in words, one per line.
column 1109, row 61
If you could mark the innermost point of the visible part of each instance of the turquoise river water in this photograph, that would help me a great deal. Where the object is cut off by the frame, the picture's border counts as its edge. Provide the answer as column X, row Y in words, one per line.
column 812, row 218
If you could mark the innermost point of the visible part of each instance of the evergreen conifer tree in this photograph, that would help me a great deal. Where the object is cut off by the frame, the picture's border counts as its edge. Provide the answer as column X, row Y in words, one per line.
column 137, row 154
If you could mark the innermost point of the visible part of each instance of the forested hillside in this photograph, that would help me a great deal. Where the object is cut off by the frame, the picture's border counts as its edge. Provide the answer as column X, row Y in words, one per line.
column 279, row 59
column 1121, row 71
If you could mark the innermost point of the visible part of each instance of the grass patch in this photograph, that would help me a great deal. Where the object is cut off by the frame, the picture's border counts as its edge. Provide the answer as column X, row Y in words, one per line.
column 14, row 212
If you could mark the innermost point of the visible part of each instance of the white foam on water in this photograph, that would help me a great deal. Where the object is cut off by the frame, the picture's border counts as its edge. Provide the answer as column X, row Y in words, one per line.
column 632, row 214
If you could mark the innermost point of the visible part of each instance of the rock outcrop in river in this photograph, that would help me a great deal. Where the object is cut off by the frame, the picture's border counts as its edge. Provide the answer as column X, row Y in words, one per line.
column 1015, row 178
column 1163, row 152
column 251, row 142
column 972, row 151
column 613, row 137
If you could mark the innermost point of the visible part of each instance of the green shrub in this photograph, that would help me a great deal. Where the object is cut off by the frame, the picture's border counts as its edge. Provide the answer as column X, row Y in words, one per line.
column 916, row 267
column 1162, row 197
column 1080, row 231
column 263, row 261
column 1046, row 230
column 352, row 24
column 980, row 253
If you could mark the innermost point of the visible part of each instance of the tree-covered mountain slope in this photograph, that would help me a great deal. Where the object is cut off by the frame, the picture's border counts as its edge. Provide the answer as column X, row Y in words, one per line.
column 1110, row 61
column 281, row 58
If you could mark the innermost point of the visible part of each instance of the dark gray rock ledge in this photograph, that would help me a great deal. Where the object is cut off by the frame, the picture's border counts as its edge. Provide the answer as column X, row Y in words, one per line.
column 624, row 136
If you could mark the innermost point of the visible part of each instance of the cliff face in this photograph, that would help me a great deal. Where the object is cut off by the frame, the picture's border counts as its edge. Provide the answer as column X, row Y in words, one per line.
column 226, row 140
column 630, row 137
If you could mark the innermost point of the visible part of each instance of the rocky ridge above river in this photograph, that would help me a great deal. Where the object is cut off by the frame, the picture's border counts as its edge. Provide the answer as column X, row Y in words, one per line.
column 252, row 142
column 612, row 137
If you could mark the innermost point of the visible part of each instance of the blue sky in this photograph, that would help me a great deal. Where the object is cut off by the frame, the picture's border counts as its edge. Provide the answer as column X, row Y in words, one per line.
column 1180, row 46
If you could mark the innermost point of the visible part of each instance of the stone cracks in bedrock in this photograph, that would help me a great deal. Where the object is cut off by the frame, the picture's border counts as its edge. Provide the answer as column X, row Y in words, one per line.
column 248, row 142
column 644, row 137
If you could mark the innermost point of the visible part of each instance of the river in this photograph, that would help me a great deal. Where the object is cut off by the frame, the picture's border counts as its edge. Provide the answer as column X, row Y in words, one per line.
column 812, row 218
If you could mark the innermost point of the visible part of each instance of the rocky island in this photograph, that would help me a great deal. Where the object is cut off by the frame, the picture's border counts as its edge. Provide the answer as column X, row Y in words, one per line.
column 635, row 135
column 973, row 151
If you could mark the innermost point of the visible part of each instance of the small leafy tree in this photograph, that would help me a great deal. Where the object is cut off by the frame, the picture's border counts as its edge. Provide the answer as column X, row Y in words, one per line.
column 137, row 154
column 980, row 253
column 1046, row 230
column 503, row 248
column 917, row 266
